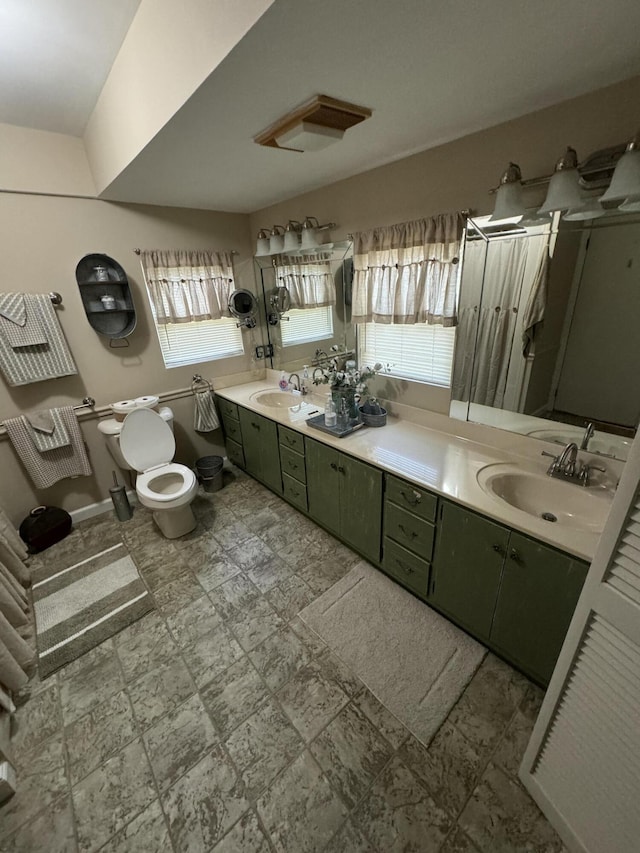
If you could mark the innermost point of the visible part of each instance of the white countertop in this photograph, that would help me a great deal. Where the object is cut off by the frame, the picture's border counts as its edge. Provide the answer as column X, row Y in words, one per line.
column 443, row 462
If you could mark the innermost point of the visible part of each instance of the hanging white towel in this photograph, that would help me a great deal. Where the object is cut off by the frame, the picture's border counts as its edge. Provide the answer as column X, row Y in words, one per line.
column 47, row 429
column 205, row 417
column 23, row 363
column 47, row 468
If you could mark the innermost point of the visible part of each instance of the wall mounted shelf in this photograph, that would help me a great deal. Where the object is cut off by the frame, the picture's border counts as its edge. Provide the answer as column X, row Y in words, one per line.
column 106, row 296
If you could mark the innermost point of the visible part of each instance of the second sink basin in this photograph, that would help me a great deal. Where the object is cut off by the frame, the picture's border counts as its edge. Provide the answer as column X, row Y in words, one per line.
column 543, row 497
column 277, row 399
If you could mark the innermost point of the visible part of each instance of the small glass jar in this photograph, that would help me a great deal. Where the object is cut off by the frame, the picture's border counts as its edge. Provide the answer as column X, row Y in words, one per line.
column 108, row 302
column 101, row 273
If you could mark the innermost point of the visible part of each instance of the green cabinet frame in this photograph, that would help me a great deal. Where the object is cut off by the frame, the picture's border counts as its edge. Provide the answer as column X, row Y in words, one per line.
column 261, row 450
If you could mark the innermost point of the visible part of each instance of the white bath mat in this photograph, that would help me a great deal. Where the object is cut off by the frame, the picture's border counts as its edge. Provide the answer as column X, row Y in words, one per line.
column 414, row 660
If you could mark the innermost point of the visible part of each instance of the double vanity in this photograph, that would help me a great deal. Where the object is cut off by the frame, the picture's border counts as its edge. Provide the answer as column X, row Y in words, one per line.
column 477, row 531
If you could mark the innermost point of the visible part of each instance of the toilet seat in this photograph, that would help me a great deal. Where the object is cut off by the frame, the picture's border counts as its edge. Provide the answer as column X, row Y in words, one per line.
column 146, row 440
column 145, row 481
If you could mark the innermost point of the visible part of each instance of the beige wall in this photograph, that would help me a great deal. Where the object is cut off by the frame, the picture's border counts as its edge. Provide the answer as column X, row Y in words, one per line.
column 43, row 240
column 459, row 175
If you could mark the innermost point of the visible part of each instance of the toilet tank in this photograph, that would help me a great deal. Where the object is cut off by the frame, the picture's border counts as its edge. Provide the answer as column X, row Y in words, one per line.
column 110, row 429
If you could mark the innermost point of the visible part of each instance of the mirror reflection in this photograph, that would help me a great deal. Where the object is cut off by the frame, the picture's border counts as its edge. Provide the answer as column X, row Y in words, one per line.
column 547, row 342
column 307, row 299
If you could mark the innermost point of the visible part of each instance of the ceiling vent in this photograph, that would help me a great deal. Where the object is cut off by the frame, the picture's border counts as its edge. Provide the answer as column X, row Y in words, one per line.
column 314, row 125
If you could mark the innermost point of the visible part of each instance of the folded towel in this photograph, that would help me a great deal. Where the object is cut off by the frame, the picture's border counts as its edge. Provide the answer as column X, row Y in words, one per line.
column 19, row 322
column 47, row 429
column 205, row 417
column 45, row 469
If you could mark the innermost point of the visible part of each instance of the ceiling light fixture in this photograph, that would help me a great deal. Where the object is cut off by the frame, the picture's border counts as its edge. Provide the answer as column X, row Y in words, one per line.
column 509, row 199
column 625, row 183
column 314, row 125
column 293, row 239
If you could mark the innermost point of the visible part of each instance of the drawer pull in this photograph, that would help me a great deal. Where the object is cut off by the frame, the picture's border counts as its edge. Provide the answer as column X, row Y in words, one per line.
column 499, row 550
column 341, row 469
column 293, row 466
column 408, row 569
column 254, row 425
column 411, row 534
column 413, row 499
column 513, row 555
column 290, row 441
column 334, row 466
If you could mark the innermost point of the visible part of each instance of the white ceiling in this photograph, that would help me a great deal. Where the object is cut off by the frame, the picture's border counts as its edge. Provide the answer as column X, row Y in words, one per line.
column 55, row 56
column 430, row 71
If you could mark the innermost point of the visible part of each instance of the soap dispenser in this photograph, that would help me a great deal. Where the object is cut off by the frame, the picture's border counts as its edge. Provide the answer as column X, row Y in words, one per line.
column 305, row 379
column 330, row 416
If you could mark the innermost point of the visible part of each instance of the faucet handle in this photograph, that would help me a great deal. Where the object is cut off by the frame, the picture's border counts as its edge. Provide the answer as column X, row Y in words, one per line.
column 547, row 453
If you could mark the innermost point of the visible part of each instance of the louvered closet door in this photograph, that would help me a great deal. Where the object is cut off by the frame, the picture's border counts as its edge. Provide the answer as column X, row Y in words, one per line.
column 582, row 765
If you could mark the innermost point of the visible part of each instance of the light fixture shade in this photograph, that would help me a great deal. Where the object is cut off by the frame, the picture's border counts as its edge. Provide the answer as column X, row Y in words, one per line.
column 625, row 183
column 509, row 202
column 276, row 240
column 631, row 205
column 590, row 209
column 564, row 192
column 291, row 241
column 309, row 237
column 263, row 246
column 307, row 136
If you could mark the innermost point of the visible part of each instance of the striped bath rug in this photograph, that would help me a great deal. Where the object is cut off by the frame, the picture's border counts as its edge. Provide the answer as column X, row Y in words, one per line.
column 80, row 606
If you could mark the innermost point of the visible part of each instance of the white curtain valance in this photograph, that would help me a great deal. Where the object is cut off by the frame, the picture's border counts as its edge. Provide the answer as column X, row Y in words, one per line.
column 309, row 280
column 188, row 286
column 407, row 273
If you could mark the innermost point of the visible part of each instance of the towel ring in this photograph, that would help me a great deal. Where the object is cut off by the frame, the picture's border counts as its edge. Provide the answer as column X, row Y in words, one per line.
column 198, row 380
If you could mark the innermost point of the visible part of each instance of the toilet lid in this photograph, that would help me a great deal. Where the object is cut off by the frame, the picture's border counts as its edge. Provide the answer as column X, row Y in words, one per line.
column 146, row 440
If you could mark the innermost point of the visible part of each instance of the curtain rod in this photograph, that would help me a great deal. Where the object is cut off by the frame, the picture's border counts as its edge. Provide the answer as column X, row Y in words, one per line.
column 233, row 251
column 466, row 212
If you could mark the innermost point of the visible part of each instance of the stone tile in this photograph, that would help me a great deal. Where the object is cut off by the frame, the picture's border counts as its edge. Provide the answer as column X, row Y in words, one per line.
column 290, row 596
column 281, row 535
column 55, row 824
column 269, row 574
column 532, row 702
column 160, row 690
column 251, row 553
column 41, row 780
column 300, row 811
column 193, row 621
column 399, row 815
column 387, row 723
column 144, row 645
column 231, row 535
column 279, row 657
column 167, row 567
column 100, row 537
column 262, row 746
column 178, row 741
column 234, row 695
column 351, row 752
column 501, row 817
column 88, row 681
column 488, row 703
column 204, row 804
column 458, row 842
column 511, row 748
column 146, row 833
column 312, row 641
column 319, row 573
column 98, row 735
column 254, row 624
column 215, row 570
column 338, row 672
column 349, row 839
column 310, row 700
column 147, row 555
column 36, row 721
column 111, row 796
column 266, row 519
column 178, row 593
column 211, row 654
column 449, row 768
column 245, row 837
column 233, row 596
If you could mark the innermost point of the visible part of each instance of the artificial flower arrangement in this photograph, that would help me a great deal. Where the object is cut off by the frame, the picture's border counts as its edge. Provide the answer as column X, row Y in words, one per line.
column 347, row 379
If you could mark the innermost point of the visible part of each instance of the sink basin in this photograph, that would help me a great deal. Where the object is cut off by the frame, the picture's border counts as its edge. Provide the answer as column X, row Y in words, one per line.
column 602, row 443
column 542, row 497
column 277, row 399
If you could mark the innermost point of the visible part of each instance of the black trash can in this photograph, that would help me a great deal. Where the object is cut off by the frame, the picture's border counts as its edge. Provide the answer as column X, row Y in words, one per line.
column 209, row 471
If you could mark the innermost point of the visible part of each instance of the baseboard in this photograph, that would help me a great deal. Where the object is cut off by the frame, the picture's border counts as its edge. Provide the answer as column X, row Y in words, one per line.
column 98, row 508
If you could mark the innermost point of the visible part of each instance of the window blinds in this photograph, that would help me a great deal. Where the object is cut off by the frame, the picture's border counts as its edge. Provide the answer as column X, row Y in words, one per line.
column 423, row 353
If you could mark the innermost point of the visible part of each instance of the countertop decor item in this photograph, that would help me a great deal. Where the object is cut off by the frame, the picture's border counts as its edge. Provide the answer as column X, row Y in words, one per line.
column 347, row 383
column 372, row 413
column 339, row 431
column 106, row 296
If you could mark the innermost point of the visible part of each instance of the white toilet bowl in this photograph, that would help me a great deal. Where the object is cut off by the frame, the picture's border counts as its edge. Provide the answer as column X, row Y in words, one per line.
column 163, row 486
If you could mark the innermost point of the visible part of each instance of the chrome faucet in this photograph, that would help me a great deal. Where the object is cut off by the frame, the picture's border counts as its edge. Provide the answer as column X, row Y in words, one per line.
column 566, row 466
column 313, row 375
column 588, row 435
column 299, row 388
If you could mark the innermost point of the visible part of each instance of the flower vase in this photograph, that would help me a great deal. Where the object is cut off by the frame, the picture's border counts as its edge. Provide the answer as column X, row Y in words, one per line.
column 349, row 396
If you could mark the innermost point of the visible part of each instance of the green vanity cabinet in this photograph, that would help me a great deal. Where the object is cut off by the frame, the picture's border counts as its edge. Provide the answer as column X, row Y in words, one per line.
column 539, row 591
column 345, row 496
column 467, row 567
column 293, row 467
column 232, row 431
column 261, row 453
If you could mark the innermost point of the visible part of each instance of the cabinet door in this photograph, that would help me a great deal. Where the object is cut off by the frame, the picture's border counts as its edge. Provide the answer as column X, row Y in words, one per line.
column 261, row 453
column 323, row 484
column 361, row 506
column 467, row 566
column 538, row 594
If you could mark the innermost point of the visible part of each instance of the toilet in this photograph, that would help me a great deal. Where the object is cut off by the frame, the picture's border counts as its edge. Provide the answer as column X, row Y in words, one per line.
column 147, row 445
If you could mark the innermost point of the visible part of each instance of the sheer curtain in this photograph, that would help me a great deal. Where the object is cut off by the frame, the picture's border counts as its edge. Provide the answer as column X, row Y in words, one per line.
column 187, row 286
column 407, row 273
column 309, row 281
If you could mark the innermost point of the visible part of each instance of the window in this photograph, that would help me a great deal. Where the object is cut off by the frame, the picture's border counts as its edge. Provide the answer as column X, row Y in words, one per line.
column 207, row 340
column 307, row 325
column 419, row 352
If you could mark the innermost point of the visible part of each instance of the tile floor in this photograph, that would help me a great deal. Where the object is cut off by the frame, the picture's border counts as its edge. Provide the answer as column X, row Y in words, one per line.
column 219, row 723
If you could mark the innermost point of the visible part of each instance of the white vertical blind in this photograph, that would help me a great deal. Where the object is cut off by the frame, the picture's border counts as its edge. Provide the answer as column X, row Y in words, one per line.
column 420, row 352
column 305, row 325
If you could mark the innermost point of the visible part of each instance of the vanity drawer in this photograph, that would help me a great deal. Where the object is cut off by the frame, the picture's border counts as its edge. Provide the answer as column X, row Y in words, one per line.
column 227, row 409
column 294, row 492
column 409, row 530
column 291, row 439
column 232, row 429
column 293, row 464
column 405, row 567
column 416, row 500
column 235, row 453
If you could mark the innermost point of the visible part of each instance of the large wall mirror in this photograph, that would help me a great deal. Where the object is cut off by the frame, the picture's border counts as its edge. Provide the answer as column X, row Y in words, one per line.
column 548, row 340
column 307, row 304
